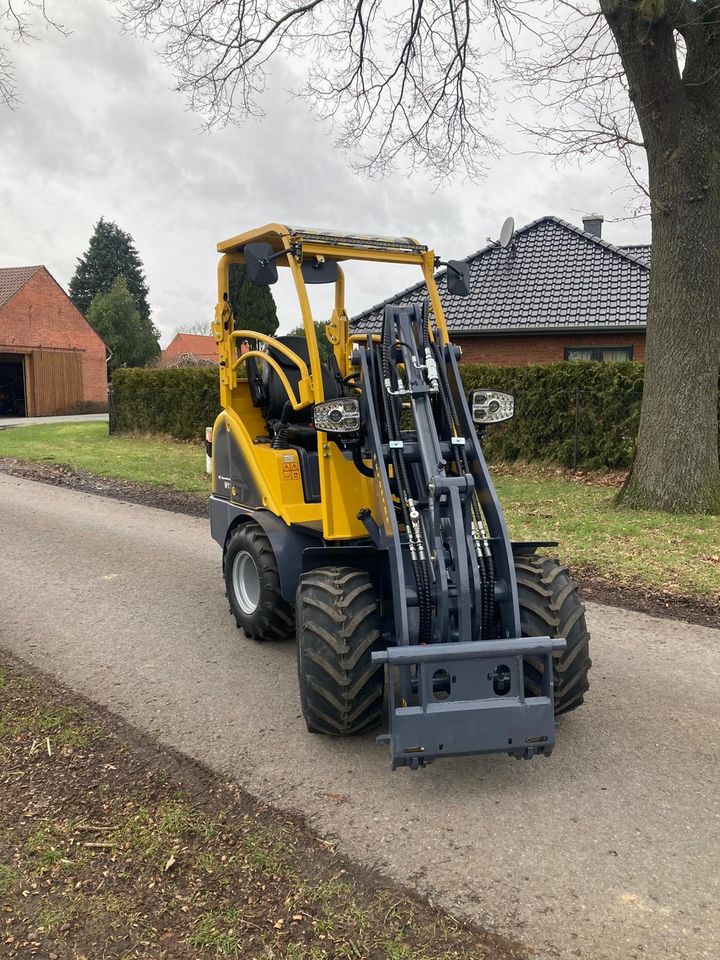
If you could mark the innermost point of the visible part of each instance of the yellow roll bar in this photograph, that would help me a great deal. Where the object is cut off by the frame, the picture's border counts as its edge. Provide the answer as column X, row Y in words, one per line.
column 305, row 400
column 276, row 345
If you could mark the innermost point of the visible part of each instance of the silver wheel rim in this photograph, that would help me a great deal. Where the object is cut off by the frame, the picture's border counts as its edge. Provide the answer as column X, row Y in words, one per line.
column 246, row 582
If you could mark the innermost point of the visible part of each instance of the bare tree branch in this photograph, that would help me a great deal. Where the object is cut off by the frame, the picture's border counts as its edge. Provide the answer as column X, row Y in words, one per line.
column 19, row 22
column 416, row 81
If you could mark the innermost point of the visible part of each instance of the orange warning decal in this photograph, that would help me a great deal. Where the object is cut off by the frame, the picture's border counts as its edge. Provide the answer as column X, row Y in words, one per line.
column 290, row 471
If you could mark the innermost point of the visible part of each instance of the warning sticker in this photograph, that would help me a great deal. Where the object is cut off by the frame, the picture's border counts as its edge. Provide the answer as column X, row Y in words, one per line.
column 290, row 471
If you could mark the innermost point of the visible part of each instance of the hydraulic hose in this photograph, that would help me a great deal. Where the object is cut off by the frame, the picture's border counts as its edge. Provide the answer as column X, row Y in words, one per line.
column 484, row 555
column 417, row 550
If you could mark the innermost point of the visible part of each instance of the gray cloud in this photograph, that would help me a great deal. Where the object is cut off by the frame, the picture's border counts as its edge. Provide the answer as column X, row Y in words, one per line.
column 99, row 132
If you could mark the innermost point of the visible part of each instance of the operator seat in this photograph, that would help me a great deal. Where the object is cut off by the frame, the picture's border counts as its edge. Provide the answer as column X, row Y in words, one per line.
column 269, row 394
column 274, row 392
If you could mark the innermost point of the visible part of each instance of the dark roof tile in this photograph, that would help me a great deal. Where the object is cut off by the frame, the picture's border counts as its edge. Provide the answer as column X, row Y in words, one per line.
column 557, row 275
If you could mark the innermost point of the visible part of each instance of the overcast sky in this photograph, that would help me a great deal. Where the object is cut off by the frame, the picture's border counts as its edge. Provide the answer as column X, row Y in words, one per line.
column 100, row 132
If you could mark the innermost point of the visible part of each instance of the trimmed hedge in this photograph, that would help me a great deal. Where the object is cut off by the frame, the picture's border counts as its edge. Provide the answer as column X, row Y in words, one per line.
column 179, row 401
column 604, row 397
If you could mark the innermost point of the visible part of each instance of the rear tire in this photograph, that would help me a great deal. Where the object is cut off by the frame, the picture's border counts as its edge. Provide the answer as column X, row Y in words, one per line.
column 550, row 607
column 252, row 586
column 338, row 627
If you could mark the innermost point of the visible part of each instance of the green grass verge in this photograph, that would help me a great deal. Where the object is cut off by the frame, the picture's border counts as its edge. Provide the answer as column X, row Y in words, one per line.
column 669, row 552
column 87, row 446
column 677, row 554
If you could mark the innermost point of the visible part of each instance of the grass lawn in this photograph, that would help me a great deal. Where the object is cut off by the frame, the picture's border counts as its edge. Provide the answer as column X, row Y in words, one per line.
column 679, row 554
column 675, row 553
column 87, row 446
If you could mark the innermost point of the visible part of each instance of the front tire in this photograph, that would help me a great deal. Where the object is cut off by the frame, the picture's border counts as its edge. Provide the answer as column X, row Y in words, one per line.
column 338, row 627
column 550, row 607
column 252, row 585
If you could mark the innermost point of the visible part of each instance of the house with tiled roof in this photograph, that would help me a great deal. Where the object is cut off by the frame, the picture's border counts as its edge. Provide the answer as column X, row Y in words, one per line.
column 51, row 359
column 557, row 292
column 190, row 350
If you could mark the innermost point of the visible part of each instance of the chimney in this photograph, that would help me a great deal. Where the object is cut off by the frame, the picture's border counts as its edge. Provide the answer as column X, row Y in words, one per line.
column 592, row 224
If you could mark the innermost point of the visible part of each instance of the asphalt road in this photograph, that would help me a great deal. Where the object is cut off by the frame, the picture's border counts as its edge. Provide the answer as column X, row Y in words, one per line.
column 609, row 849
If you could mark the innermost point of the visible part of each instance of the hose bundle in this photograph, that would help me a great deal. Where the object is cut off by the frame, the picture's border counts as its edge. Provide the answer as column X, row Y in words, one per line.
column 482, row 547
column 411, row 517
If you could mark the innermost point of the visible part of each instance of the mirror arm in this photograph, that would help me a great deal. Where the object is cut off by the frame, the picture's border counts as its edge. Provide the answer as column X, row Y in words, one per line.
column 444, row 263
column 293, row 250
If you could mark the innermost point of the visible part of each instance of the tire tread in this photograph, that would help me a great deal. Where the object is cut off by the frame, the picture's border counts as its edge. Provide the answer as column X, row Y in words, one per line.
column 338, row 627
column 274, row 619
column 550, row 605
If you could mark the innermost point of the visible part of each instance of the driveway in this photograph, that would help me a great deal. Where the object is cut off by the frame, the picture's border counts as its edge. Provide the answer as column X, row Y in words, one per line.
column 6, row 422
column 608, row 849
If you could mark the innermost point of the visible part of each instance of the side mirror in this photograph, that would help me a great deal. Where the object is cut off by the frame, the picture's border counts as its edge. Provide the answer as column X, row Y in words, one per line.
column 261, row 267
column 458, row 278
column 316, row 270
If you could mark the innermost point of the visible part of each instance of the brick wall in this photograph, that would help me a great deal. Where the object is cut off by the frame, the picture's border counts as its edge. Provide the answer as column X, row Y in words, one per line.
column 519, row 350
column 42, row 316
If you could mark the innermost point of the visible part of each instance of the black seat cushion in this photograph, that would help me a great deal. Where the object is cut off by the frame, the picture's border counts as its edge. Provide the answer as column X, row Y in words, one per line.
column 275, row 395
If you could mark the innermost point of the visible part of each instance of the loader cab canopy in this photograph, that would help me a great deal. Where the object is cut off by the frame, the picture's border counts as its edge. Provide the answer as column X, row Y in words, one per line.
column 331, row 244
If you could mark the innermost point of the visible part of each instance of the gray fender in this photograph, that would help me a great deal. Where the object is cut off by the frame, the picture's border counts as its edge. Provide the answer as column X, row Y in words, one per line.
column 288, row 543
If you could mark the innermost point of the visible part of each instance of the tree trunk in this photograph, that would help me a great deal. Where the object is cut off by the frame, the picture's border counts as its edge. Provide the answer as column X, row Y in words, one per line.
column 676, row 461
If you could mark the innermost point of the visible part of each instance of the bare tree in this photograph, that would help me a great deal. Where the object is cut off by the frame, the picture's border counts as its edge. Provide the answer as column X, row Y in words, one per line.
column 19, row 20
column 196, row 327
column 628, row 78
column 413, row 80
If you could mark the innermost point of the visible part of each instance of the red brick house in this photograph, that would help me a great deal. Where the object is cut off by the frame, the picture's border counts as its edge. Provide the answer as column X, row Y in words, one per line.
column 558, row 292
column 51, row 360
column 190, row 350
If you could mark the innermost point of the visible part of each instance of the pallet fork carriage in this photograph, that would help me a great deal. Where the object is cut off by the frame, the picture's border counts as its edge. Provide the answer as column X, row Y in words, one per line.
column 355, row 509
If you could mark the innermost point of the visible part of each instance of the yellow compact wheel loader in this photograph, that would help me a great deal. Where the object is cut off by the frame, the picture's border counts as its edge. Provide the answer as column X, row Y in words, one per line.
column 355, row 512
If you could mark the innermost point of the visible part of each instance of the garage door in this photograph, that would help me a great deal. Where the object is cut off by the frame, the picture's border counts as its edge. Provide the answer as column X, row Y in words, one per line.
column 56, row 380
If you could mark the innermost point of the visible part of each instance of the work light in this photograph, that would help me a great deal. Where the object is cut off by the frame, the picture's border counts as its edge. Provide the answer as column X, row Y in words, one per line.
column 491, row 406
column 337, row 416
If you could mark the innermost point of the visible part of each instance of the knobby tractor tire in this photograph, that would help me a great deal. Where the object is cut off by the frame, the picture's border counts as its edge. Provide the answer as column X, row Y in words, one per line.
column 255, row 599
column 338, row 627
column 550, row 607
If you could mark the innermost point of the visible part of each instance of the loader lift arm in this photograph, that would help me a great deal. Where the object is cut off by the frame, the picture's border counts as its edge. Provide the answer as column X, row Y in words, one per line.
column 457, row 654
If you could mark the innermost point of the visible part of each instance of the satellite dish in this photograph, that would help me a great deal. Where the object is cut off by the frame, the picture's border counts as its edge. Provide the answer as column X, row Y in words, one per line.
column 506, row 233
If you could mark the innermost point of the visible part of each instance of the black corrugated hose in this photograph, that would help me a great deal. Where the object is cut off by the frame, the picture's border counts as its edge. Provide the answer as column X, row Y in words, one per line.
column 420, row 571
column 486, row 566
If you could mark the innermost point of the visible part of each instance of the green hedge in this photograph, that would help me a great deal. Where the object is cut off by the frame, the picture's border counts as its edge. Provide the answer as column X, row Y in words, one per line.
column 605, row 398
column 180, row 402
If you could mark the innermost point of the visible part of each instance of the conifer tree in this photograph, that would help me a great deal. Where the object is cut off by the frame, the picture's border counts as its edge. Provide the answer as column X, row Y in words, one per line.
column 117, row 320
column 111, row 253
column 253, row 307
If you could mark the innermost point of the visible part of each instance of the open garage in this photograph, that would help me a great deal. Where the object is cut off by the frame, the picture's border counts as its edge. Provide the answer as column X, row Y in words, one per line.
column 12, row 385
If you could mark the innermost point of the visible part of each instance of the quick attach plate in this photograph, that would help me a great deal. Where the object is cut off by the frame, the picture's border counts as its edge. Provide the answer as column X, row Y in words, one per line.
column 469, row 698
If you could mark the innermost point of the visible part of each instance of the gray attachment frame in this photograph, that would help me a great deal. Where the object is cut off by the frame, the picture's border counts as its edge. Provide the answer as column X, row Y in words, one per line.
column 466, row 715
column 464, row 694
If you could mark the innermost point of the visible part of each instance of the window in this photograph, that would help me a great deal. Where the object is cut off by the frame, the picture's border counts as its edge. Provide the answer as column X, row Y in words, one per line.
column 606, row 354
